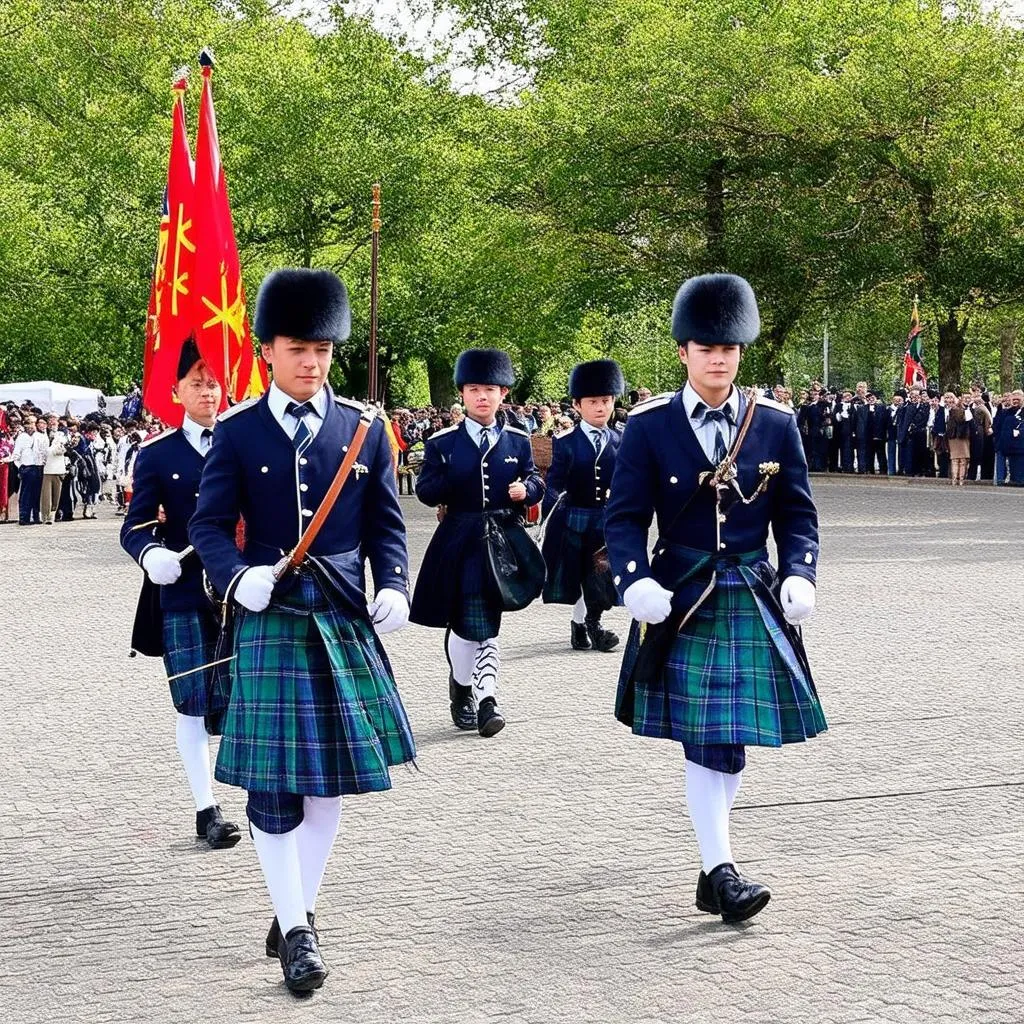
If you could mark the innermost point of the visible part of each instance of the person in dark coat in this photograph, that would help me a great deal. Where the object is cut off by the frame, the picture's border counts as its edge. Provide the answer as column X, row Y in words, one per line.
column 482, row 476
column 1012, row 439
column 1003, row 411
column 877, row 434
column 314, row 713
column 155, row 534
column 845, row 407
column 713, row 661
column 576, row 494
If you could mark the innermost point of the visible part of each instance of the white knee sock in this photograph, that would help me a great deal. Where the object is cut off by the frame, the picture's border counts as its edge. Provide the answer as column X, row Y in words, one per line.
column 194, row 748
column 708, row 803
column 485, row 670
column 279, row 859
column 579, row 612
column 315, row 837
column 732, row 785
column 461, row 653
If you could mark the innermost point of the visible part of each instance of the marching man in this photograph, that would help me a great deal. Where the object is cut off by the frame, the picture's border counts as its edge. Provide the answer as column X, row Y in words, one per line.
column 482, row 474
column 181, row 623
column 314, row 712
column 578, row 482
column 714, row 660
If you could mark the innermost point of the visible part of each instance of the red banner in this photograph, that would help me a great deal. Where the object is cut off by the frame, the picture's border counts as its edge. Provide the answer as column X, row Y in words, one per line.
column 219, row 311
column 169, row 319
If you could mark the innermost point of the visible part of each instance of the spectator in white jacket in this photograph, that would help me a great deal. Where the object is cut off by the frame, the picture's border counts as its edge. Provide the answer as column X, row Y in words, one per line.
column 54, row 468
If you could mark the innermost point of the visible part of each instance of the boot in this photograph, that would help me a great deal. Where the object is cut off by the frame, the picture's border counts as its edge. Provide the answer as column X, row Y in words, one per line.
column 579, row 639
column 489, row 719
column 211, row 826
column 463, row 711
column 601, row 639
column 723, row 891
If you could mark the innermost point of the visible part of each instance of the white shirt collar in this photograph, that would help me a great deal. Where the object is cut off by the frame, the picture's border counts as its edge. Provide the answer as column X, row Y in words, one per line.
column 589, row 432
column 691, row 400
column 193, row 432
column 278, row 401
column 475, row 429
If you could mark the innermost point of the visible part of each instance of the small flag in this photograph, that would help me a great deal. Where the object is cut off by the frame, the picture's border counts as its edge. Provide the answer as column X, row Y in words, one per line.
column 913, row 358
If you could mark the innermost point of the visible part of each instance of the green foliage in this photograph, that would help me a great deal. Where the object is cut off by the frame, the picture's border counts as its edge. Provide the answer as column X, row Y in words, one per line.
column 842, row 154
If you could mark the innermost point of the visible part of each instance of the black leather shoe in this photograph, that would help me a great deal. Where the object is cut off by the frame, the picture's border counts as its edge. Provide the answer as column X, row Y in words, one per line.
column 463, row 712
column 301, row 964
column 580, row 641
column 211, row 826
column 601, row 639
column 488, row 718
column 724, row 892
column 274, row 935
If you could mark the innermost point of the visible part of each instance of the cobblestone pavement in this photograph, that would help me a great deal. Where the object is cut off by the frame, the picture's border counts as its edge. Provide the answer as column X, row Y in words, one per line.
column 546, row 875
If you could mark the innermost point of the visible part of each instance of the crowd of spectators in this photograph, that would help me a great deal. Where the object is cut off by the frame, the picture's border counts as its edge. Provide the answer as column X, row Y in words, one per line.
column 959, row 435
column 55, row 468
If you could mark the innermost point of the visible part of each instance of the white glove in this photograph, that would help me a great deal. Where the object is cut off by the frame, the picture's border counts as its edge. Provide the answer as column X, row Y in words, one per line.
column 161, row 566
column 254, row 589
column 389, row 611
column 797, row 598
column 648, row 601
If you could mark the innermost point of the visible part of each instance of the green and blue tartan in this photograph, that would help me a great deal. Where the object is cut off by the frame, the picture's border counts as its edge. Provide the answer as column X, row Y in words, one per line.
column 733, row 675
column 314, row 707
column 190, row 638
column 570, row 560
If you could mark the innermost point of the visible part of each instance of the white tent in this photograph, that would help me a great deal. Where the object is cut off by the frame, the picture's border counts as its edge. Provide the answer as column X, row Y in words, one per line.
column 51, row 397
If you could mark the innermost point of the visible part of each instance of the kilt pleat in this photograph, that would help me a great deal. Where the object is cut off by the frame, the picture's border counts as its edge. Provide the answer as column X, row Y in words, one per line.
column 733, row 675
column 190, row 638
column 314, row 706
column 570, row 544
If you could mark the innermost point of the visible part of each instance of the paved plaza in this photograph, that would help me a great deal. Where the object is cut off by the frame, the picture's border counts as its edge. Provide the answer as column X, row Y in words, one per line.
column 546, row 875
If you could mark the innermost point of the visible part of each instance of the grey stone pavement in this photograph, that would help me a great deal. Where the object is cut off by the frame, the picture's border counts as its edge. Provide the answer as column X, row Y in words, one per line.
column 546, row 875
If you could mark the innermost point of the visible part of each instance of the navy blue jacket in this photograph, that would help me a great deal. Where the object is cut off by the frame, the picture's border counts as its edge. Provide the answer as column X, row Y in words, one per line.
column 576, row 470
column 455, row 475
column 657, row 472
column 166, row 474
column 253, row 471
column 1011, row 424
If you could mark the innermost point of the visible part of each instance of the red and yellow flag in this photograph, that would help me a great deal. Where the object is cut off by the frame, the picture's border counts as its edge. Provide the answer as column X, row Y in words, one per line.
column 169, row 319
column 219, row 310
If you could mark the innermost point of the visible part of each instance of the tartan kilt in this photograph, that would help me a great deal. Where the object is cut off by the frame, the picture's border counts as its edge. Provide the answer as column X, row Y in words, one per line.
column 190, row 638
column 314, row 707
column 733, row 674
column 573, row 537
column 455, row 587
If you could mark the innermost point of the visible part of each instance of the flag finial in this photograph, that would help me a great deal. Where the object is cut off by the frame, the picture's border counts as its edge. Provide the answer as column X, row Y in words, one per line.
column 206, row 58
column 179, row 78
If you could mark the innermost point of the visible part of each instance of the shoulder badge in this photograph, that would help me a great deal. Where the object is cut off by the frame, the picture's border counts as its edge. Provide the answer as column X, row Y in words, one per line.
column 442, row 432
column 159, row 437
column 228, row 413
column 772, row 404
column 654, row 402
column 350, row 402
column 516, row 430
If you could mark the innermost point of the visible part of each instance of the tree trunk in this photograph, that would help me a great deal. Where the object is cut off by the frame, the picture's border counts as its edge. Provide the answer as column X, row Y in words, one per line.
column 952, row 342
column 1007, row 350
column 714, row 214
column 442, row 388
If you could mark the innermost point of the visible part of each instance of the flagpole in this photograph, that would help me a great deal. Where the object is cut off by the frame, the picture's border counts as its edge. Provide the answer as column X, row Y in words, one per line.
column 374, row 263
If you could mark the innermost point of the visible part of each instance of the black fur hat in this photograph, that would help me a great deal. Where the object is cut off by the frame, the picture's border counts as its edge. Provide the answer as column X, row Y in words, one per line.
column 484, row 366
column 595, row 379
column 716, row 309
column 188, row 357
column 311, row 305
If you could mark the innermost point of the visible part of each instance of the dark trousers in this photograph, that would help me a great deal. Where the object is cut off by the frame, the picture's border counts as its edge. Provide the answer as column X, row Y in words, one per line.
column 906, row 458
column 892, row 447
column 29, row 494
column 878, row 453
column 846, row 455
column 944, row 465
column 865, row 458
